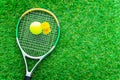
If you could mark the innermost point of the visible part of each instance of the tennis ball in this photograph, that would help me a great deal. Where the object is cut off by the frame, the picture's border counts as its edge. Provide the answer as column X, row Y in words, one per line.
column 35, row 28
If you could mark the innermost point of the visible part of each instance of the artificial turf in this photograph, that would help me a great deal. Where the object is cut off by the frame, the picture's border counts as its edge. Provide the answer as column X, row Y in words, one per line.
column 89, row 45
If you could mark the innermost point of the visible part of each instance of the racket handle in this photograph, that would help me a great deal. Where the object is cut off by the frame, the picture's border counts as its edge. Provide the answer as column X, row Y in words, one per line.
column 27, row 78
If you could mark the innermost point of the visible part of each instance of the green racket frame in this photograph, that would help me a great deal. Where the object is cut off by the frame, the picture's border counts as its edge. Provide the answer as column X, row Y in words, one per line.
column 40, row 58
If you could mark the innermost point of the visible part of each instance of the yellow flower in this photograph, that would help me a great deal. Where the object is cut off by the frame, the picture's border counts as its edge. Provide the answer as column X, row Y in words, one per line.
column 46, row 31
column 46, row 27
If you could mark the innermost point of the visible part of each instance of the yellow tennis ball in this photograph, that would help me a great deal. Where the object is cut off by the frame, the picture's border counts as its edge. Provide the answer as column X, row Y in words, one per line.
column 35, row 28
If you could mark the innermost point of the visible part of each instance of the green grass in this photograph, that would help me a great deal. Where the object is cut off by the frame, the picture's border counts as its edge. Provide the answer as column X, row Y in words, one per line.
column 89, row 45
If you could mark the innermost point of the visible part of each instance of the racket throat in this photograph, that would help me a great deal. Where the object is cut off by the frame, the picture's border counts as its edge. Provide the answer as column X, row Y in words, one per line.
column 28, row 70
column 28, row 74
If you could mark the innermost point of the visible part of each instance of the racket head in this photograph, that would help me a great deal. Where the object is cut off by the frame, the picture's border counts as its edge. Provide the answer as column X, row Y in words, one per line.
column 35, row 46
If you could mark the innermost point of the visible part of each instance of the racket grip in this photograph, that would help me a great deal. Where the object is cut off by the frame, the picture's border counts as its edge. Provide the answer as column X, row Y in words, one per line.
column 27, row 78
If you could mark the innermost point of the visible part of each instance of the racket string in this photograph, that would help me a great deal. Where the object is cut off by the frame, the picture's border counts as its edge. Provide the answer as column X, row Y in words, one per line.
column 33, row 44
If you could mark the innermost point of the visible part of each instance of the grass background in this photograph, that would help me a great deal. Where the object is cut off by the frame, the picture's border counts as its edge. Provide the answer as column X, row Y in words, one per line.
column 89, row 45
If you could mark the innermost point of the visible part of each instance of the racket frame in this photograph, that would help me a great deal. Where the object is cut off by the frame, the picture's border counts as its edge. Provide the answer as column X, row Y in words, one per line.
column 40, row 58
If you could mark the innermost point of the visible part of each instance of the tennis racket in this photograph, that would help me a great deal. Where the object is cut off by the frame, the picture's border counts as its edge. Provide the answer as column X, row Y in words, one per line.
column 36, row 47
